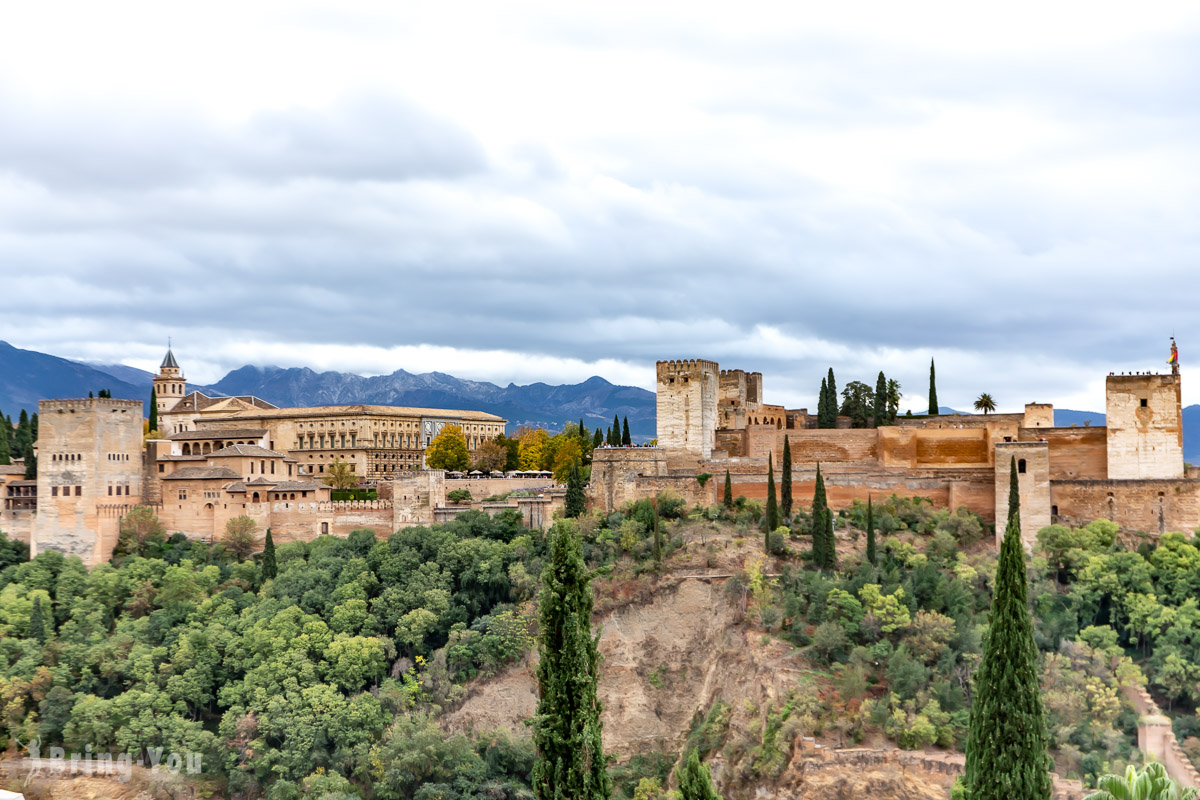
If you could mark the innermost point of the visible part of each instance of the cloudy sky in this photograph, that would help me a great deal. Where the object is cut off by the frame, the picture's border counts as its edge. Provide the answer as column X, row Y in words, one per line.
column 536, row 191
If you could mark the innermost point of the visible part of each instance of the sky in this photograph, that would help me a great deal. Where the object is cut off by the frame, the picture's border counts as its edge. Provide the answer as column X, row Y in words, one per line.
column 543, row 191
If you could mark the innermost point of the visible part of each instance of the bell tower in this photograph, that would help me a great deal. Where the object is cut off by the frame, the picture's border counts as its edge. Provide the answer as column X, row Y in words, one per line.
column 169, row 385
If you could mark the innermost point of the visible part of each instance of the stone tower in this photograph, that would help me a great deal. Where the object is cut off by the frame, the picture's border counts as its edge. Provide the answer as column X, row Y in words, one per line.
column 687, row 405
column 89, row 456
column 1145, row 427
column 1033, row 486
column 169, row 385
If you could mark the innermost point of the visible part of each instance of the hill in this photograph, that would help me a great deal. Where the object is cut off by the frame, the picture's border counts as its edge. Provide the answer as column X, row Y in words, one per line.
column 27, row 376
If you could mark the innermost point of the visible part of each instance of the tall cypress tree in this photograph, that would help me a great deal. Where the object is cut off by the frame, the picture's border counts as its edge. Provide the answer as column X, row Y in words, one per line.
column 269, row 566
column 153, row 409
column 785, row 486
column 30, row 464
column 772, row 505
column 625, row 438
column 880, row 409
column 871, row 556
column 656, row 539
column 24, row 436
column 822, row 405
column 616, row 432
column 728, row 491
column 933, row 401
column 576, row 500
column 832, row 403
column 819, row 510
column 5, row 451
column 829, row 547
column 694, row 779
column 567, row 727
column 598, row 438
column 1007, row 739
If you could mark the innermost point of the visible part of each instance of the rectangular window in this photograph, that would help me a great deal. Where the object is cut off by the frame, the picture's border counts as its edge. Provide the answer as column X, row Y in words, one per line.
column 183, row 494
column 54, row 491
column 160, row 467
column 78, row 491
column 1143, row 402
column 110, row 490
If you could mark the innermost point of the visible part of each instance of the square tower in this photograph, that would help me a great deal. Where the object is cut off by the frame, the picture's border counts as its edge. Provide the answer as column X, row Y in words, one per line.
column 687, row 405
column 89, row 455
column 1145, row 427
column 1032, row 460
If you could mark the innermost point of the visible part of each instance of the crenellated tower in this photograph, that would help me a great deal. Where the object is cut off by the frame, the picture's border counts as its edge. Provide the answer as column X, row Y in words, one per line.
column 1145, row 427
column 169, row 385
column 687, row 405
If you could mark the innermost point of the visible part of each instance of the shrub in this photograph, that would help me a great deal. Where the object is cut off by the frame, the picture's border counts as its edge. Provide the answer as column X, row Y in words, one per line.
column 459, row 496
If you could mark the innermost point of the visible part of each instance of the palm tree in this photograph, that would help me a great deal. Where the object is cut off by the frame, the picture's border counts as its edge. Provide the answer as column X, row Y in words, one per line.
column 985, row 403
column 1151, row 783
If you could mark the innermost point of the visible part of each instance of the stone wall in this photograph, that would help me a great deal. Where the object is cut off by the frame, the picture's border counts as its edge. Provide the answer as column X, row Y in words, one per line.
column 1150, row 506
column 1033, row 486
column 1156, row 738
column 487, row 487
column 1145, row 426
column 615, row 474
column 1075, row 453
column 811, row 446
column 687, row 405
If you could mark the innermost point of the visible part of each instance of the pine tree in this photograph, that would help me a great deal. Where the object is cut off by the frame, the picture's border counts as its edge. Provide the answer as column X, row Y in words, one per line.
column 576, row 500
column 625, row 438
column 880, row 409
column 694, row 779
column 772, row 505
column 153, row 409
column 728, row 491
column 269, row 567
column 37, row 620
column 567, row 727
column 1007, row 739
column 933, row 401
column 785, row 485
column 871, row 556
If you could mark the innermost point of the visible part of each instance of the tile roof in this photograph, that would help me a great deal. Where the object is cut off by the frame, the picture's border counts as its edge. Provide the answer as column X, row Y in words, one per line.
column 232, row 433
column 8, row 469
column 235, row 450
column 201, row 473
column 169, row 361
column 299, row 486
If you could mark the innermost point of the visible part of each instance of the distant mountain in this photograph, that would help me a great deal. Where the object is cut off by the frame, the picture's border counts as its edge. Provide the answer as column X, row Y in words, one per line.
column 27, row 376
column 1065, row 418
column 131, row 375
column 595, row 400
column 1191, row 434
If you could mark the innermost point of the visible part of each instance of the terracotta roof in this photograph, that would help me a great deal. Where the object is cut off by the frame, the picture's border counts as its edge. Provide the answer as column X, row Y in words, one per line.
column 198, row 401
column 366, row 410
column 181, row 458
column 201, row 473
column 8, row 469
column 232, row 433
column 236, row 486
column 298, row 486
column 260, row 482
column 244, row 450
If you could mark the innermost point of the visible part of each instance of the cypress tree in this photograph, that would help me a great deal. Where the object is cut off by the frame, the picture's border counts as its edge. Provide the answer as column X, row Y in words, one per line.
column 567, row 727
column 772, row 505
column 33, row 426
column 5, row 452
column 37, row 620
column 576, row 500
column 694, row 779
column 832, row 403
column 1007, row 739
column 933, row 401
column 616, row 432
column 829, row 547
column 871, row 557
column 598, row 439
column 30, row 464
column 625, row 438
column 153, row 409
column 728, row 491
column 269, row 567
column 880, row 410
column 656, row 537
column 785, row 486
column 24, row 436
column 822, row 405
column 819, row 512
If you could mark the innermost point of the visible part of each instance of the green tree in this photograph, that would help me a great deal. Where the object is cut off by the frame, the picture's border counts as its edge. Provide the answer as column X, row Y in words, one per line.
column 933, row 401
column 879, row 410
column 1007, row 740
column 893, row 399
column 616, row 432
column 567, row 727
column 239, row 537
column 625, row 438
column 985, row 403
column 30, row 464
column 37, row 620
column 598, row 439
column 831, row 405
column 823, row 404
column 269, row 566
column 341, row 475
column 857, row 401
column 822, row 526
column 728, row 491
column 772, row 505
column 153, row 409
column 1151, row 783
column 448, row 450
column 785, row 485
column 694, row 779
column 24, row 436
column 871, row 556
column 138, row 531
column 6, row 432
column 576, row 500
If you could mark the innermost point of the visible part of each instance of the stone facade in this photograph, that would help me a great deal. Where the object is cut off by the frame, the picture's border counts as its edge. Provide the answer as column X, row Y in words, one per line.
column 1032, row 460
column 687, row 406
column 1145, row 426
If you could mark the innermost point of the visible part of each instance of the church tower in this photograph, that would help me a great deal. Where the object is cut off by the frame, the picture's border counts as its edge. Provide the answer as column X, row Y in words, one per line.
column 169, row 385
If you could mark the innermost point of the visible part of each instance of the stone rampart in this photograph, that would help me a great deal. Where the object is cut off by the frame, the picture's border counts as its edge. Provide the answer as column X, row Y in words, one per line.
column 1156, row 738
column 1149, row 506
column 1075, row 453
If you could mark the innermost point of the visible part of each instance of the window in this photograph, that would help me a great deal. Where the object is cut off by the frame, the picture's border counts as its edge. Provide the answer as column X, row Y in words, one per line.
column 161, row 467
column 78, row 491
column 183, row 494
column 54, row 491
column 1143, row 402
column 110, row 490
column 1021, row 466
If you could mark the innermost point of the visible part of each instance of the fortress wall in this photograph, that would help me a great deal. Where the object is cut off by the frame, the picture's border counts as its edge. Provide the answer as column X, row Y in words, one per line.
column 1075, row 453
column 960, row 421
column 811, row 446
column 687, row 487
column 732, row 442
column 486, row 487
column 966, row 447
column 1150, row 506
column 615, row 472
column 19, row 525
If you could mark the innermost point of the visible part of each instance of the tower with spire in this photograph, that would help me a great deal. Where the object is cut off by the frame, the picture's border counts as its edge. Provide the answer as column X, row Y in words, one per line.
column 169, row 385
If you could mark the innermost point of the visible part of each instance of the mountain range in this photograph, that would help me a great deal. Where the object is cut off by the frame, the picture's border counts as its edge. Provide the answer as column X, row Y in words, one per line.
column 27, row 376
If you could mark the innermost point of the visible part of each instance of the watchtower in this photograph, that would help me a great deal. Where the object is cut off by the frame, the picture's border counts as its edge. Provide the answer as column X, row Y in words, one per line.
column 1145, row 426
column 1032, row 460
column 169, row 385
column 687, row 405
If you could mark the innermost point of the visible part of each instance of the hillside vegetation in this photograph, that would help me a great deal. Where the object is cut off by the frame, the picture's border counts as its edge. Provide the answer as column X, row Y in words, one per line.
column 400, row 668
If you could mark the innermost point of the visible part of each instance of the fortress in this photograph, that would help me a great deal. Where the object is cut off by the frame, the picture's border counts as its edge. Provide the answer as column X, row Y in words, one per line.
column 711, row 421
column 224, row 457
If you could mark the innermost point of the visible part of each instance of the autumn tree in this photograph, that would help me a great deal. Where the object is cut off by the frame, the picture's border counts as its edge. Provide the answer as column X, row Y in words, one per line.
column 1007, row 739
column 138, row 531
column 567, row 727
column 534, row 442
column 490, row 456
column 239, row 537
column 448, row 450
column 341, row 475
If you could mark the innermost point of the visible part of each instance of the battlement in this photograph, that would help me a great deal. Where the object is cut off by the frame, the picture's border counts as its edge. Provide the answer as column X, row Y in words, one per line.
column 78, row 404
column 686, row 365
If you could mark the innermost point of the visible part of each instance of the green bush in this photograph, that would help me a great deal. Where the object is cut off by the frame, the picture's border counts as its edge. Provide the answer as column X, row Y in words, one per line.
column 353, row 494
